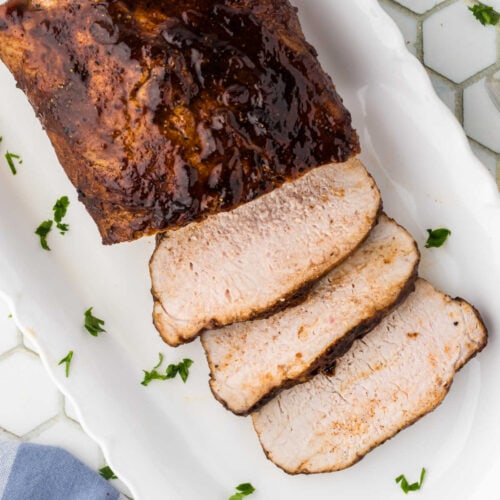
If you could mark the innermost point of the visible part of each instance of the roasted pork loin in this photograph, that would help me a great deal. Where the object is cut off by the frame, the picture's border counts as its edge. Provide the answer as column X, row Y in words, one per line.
column 165, row 111
column 389, row 379
column 236, row 265
column 249, row 362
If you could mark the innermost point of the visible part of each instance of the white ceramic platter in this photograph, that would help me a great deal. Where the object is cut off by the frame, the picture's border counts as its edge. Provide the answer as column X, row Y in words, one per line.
column 173, row 441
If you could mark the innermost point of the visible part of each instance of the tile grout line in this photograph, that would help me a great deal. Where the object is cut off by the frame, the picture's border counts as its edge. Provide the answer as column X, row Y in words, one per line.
column 47, row 424
column 65, row 412
column 9, row 434
column 19, row 337
column 440, row 6
column 486, row 149
column 14, row 350
column 401, row 8
column 459, row 87
column 479, row 75
column 459, row 105
column 419, row 43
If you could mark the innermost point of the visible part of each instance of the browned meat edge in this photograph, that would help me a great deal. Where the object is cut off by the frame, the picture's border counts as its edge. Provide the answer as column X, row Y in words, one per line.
column 430, row 410
column 326, row 360
column 295, row 297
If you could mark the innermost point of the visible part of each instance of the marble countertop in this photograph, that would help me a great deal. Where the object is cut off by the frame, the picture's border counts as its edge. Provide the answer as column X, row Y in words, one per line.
column 460, row 55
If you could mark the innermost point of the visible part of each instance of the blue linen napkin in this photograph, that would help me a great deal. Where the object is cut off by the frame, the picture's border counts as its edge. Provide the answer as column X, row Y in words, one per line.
column 34, row 472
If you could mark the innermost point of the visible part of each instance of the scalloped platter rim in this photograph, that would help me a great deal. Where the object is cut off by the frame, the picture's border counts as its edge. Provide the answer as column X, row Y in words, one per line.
column 172, row 440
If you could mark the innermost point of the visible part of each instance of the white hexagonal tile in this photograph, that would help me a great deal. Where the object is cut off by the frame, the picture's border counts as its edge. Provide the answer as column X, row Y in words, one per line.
column 456, row 44
column 7, row 436
column 27, row 394
column 481, row 117
column 488, row 159
column 406, row 23
column 9, row 337
column 445, row 92
column 29, row 344
column 419, row 6
column 493, row 87
column 70, row 410
column 69, row 435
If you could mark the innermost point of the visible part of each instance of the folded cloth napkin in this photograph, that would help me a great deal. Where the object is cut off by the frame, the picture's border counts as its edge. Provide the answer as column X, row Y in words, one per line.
column 34, row 472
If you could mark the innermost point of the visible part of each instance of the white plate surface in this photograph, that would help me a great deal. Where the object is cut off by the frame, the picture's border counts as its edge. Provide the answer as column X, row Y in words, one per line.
column 173, row 441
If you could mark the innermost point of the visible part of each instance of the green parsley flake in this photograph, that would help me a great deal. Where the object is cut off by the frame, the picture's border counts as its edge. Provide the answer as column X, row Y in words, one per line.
column 60, row 209
column 242, row 490
column 63, row 228
column 43, row 230
column 92, row 324
column 172, row 370
column 10, row 157
column 437, row 237
column 406, row 487
column 67, row 361
column 107, row 473
column 485, row 14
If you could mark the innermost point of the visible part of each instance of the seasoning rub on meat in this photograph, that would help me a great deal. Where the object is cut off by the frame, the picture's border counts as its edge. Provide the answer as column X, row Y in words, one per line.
column 250, row 362
column 236, row 265
column 389, row 379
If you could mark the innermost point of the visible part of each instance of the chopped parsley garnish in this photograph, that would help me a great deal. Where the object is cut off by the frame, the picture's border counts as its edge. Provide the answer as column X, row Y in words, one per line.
column 172, row 370
column 242, row 490
column 92, row 324
column 485, row 14
column 63, row 228
column 437, row 237
column 406, row 487
column 107, row 473
column 60, row 209
column 10, row 157
column 43, row 230
column 67, row 362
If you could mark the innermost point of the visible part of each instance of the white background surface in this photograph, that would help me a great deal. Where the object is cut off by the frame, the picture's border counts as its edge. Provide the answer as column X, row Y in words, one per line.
column 459, row 52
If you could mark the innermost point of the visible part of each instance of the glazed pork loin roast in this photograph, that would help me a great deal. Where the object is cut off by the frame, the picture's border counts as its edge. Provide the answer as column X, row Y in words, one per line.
column 213, row 125
column 164, row 112
column 397, row 373
column 251, row 361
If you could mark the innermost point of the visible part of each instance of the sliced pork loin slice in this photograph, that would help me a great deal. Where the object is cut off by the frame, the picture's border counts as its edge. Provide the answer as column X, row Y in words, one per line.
column 234, row 266
column 249, row 362
column 393, row 376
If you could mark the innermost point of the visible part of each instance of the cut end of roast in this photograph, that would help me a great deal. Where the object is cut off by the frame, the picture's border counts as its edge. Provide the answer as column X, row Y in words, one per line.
column 252, row 361
column 237, row 265
column 396, row 374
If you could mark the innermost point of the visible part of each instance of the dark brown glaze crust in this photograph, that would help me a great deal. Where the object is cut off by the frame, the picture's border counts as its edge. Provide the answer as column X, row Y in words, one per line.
column 163, row 112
